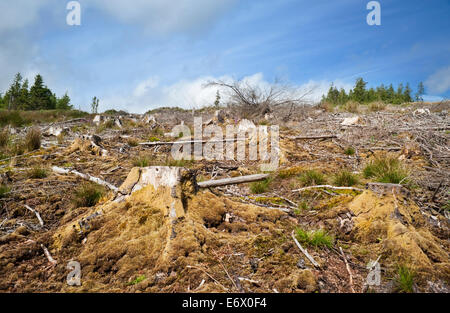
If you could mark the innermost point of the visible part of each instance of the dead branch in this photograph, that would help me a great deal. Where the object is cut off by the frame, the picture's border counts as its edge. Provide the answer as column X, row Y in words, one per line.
column 97, row 180
column 313, row 137
column 303, row 250
column 347, row 266
column 41, row 222
column 181, row 142
column 231, row 181
column 49, row 256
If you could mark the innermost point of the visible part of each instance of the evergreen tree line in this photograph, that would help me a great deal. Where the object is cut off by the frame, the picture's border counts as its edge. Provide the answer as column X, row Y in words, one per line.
column 20, row 96
column 361, row 94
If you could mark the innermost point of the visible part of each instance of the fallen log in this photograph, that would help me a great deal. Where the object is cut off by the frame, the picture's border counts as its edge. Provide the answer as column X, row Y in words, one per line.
column 41, row 222
column 232, row 181
column 313, row 137
column 96, row 180
column 181, row 142
column 328, row 186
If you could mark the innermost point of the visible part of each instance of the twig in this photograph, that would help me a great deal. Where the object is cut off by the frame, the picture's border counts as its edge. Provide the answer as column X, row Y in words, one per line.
column 215, row 280
column 348, row 269
column 48, row 255
column 231, row 181
column 41, row 222
column 303, row 250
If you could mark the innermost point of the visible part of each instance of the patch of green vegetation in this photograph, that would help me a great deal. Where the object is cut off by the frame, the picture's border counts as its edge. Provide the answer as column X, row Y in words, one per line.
column 405, row 279
column 137, row 280
column 88, row 195
column 154, row 139
column 312, row 177
column 37, row 173
column 314, row 238
column 4, row 189
column 269, row 200
column 142, row 161
column 178, row 163
column 260, row 186
column 386, row 170
column 349, row 151
column 345, row 178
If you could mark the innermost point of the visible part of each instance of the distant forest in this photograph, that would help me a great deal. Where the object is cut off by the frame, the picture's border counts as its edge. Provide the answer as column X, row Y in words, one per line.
column 360, row 94
column 20, row 96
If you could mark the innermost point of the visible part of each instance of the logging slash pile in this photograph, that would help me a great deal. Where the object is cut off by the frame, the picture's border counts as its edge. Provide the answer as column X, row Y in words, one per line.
column 350, row 191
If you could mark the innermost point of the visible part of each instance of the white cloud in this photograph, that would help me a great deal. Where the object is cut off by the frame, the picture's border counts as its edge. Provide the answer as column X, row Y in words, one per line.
column 162, row 16
column 19, row 13
column 188, row 94
column 439, row 82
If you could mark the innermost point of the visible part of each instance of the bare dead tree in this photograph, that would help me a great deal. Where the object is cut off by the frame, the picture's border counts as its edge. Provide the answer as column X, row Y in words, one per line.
column 255, row 101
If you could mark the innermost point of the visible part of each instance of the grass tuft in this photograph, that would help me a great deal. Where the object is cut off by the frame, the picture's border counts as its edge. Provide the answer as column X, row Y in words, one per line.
column 260, row 186
column 33, row 139
column 37, row 173
column 345, row 178
column 312, row 177
column 88, row 195
column 405, row 279
column 314, row 238
column 387, row 170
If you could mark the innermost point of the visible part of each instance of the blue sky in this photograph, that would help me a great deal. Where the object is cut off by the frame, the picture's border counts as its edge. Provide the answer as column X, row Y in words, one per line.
column 137, row 55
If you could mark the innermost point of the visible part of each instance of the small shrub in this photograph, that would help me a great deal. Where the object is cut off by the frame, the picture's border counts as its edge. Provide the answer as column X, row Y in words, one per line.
column 260, row 186
column 88, row 195
column 349, row 151
column 33, row 139
column 37, row 173
column 345, row 178
column 314, row 238
column 377, row 106
column 405, row 279
column 386, row 170
column 4, row 138
column 312, row 177
column 351, row 106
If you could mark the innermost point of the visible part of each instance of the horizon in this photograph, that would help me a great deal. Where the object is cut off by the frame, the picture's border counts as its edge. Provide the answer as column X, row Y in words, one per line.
column 148, row 55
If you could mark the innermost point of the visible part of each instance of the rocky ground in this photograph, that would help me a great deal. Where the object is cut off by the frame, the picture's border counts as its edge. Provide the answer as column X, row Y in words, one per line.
column 234, row 238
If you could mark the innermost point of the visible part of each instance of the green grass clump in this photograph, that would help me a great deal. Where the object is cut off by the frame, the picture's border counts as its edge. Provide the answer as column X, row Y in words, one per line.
column 37, row 173
column 387, row 170
column 4, row 189
column 4, row 138
column 405, row 279
column 260, row 186
column 142, row 161
column 137, row 280
column 349, row 151
column 314, row 238
column 88, row 195
column 312, row 177
column 33, row 139
column 345, row 178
